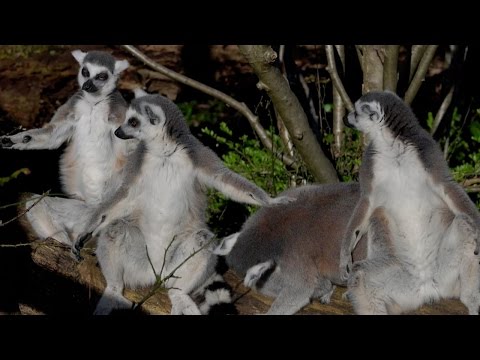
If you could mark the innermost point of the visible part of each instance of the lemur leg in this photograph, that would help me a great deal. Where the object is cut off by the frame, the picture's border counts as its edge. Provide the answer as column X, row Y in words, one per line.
column 190, row 276
column 55, row 217
column 324, row 290
column 458, row 268
column 121, row 253
column 292, row 298
column 375, row 282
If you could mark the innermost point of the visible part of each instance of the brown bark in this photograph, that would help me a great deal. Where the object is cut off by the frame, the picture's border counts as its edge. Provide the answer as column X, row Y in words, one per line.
column 292, row 113
column 420, row 73
column 338, row 110
column 390, row 76
column 373, row 57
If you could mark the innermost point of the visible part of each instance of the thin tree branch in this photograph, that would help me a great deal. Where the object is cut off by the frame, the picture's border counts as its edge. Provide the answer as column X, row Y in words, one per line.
column 338, row 110
column 27, row 210
column 470, row 182
column 291, row 111
column 420, row 73
column 240, row 107
column 390, row 66
column 417, row 54
column 442, row 110
column 160, row 282
column 332, row 70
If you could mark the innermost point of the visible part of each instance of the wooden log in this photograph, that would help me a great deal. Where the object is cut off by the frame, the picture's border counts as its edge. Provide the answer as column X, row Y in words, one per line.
column 56, row 259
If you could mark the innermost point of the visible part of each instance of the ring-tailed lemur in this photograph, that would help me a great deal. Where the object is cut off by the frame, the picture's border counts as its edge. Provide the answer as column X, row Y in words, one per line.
column 292, row 255
column 93, row 157
column 434, row 226
column 161, row 204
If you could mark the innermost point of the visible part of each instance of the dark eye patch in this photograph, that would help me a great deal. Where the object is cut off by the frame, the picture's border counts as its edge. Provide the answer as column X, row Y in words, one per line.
column 85, row 72
column 102, row 76
column 133, row 122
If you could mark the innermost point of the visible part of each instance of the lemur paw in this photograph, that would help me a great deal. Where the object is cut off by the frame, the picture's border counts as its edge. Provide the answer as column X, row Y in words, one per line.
column 346, row 266
column 280, row 200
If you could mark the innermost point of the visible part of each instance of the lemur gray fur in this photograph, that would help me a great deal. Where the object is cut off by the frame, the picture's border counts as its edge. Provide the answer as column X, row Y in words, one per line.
column 162, row 201
column 93, row 158
column 433, row 224
column 292, row 252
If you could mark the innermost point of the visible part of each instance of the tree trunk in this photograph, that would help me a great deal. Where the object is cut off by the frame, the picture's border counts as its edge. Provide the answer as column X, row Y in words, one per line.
column 286, row 103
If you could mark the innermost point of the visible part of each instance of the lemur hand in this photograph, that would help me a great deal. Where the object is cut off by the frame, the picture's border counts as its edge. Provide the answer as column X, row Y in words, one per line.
column 81, row 240
column 16, row 141
column 346, row 264
column 280, row 200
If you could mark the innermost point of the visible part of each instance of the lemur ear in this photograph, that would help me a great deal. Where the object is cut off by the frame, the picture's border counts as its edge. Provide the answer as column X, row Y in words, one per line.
column 372, row 113
column 139, row 92
column 226, row 245
column 154, row 119
column 120, row 65
column 79, row 55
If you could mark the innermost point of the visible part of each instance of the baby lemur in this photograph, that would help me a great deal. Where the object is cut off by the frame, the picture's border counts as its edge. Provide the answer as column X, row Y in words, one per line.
column 161, row 204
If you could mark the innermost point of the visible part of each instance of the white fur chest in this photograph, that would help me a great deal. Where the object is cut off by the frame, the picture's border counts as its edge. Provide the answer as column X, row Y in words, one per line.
column 165, row 194
column 402, row 185
column 94, row 148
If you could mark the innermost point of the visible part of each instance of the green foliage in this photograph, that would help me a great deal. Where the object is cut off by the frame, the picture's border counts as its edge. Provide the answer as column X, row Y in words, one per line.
column 198, row 114
column 14, row 175
column 248, row 157
column 348, row 163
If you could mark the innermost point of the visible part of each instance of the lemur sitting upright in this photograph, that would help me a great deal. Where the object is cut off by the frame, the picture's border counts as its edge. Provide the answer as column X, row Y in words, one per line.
column 93, row 158
column 433, row 225
column 161, row 205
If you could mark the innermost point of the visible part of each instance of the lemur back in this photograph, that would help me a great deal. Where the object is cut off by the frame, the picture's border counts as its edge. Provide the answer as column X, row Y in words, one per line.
column 292, row 252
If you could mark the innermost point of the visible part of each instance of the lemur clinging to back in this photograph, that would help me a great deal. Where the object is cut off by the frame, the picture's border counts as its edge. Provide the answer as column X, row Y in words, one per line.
column 161, row 204
column 434, row 226
column 93, row 157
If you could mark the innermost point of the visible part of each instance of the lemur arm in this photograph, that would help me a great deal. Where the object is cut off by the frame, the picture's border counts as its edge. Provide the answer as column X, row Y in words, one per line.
column 52, row 136
column 459, row 203
column 213, row 173
column 357, row 227
column 115, row 203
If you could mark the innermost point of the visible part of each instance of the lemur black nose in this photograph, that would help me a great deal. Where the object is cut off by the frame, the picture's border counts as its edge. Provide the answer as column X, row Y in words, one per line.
column 6, row 142
column 88, row 86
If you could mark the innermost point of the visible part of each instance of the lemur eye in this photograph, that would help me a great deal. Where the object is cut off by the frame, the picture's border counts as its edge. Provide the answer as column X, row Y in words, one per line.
column 102, row 76
column 372, row 116
column 133, row 122
column 85, row 72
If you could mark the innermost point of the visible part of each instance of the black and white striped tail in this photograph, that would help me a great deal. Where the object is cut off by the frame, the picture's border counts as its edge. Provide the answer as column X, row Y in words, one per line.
column 218, row 294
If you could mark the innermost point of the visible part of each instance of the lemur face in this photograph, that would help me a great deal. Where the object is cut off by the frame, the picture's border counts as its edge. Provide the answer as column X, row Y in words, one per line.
column 145, row 121
column 98, row 72
column 367, row 117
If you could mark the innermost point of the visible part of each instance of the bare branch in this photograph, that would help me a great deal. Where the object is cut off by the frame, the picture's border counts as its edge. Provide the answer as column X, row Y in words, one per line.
column 240, row 107
column 420, row 73
column 161, row 281
column 442, row 110
column 470, row 182
column 27, row 210
column 332, row 70
column 359, row 49
column 338, row 110
column 390, row 75
column 291, row 111
column 417, row 54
